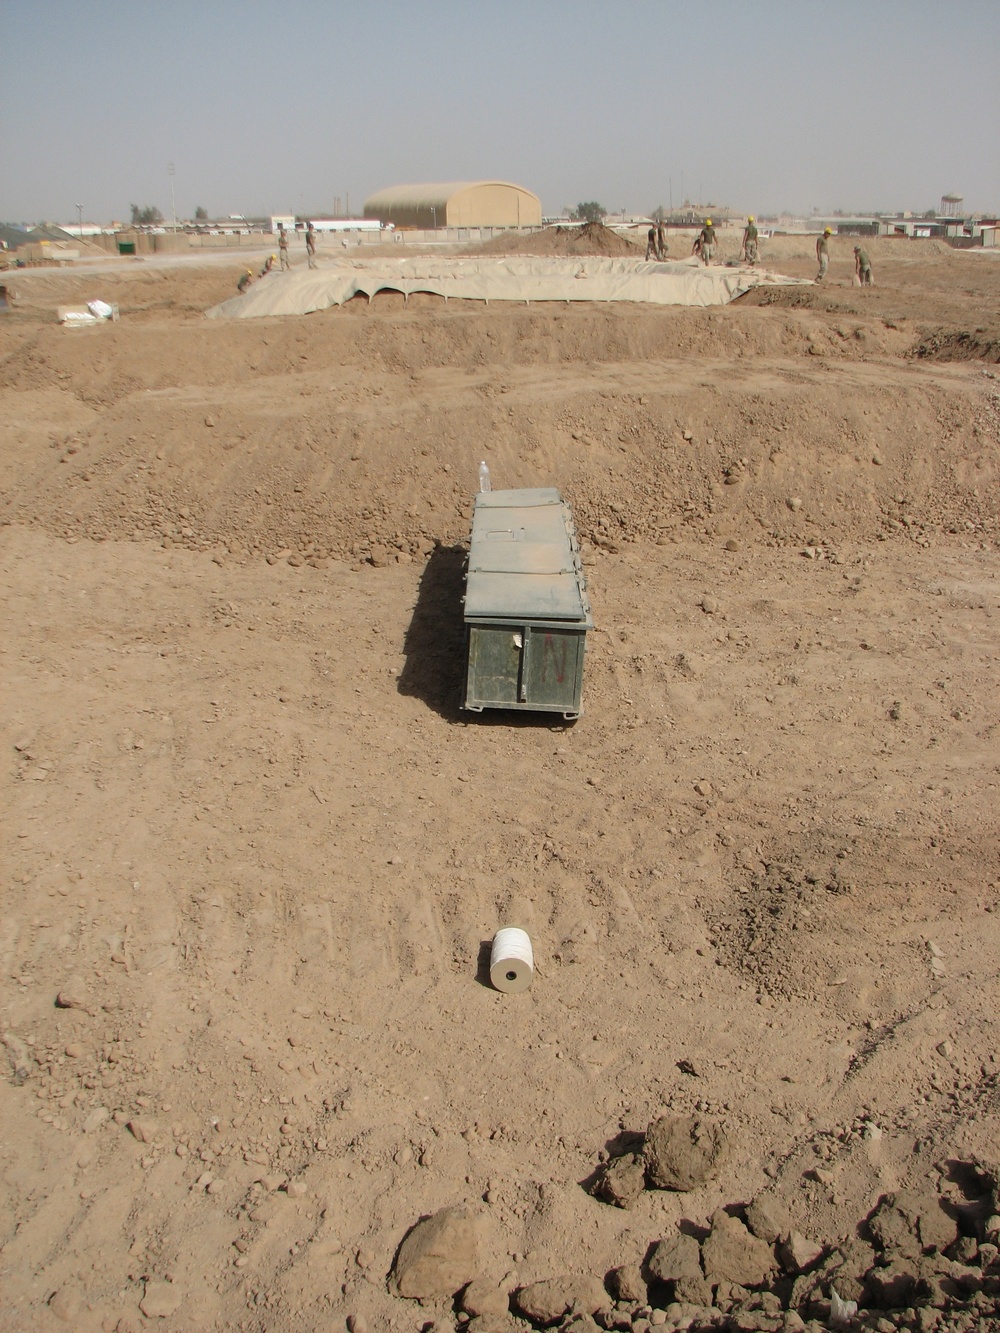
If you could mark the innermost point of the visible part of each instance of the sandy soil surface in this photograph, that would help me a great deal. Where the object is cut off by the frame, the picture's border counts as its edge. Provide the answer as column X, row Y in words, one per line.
column 254, row 851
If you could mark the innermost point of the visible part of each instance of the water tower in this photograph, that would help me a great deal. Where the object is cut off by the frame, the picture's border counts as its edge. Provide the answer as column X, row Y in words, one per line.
column 951, row 205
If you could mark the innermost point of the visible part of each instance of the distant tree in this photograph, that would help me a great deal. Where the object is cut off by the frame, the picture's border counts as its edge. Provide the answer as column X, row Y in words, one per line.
column 200, row 214
column 592, row 212
column 931, row 213
column 659, row 213
column 150, row 216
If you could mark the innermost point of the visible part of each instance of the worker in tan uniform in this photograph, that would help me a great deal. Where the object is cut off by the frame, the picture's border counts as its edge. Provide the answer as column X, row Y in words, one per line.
column 823, row 253
column 750, row 241
column 863, row 266
column 704, row 246
column 311, row 244
column 283, row 245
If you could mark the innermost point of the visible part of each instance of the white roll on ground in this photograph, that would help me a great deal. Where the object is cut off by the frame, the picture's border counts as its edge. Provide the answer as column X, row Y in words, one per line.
column 512, row 964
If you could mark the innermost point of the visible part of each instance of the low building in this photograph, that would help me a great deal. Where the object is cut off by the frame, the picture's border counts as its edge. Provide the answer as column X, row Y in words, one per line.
column 858, row 227
column 367, row 225
column 456, row 204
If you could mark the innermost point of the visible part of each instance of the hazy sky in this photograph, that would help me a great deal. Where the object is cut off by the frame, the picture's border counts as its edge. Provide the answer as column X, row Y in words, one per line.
column 764, row 105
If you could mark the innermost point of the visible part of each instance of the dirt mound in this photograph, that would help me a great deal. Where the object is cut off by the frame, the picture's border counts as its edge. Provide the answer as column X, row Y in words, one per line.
column 960, row 345
column 228, row 436
column 592, row 238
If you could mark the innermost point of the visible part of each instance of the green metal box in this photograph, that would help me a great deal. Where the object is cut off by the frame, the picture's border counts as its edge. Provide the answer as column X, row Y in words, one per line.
column 526, row 607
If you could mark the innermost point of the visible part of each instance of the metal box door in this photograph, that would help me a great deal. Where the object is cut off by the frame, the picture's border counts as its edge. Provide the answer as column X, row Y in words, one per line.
column 553, row 669
column 494, row 665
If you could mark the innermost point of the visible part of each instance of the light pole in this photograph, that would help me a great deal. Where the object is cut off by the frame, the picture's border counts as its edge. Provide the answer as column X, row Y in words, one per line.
column 79, row 209
column 173, row 207
column 434, row 217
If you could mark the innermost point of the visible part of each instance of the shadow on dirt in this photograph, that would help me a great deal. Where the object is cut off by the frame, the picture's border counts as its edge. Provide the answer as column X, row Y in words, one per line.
column 434, row 645
column 483, row 964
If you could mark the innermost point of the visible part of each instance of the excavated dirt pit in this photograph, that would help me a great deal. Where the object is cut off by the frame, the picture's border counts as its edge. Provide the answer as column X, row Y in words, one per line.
column 250, row 837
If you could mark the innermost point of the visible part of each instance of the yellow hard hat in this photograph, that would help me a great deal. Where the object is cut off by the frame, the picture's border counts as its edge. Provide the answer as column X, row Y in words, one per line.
column 274, row 256
column 827, row 231
column 708, row 222
column 750, row 218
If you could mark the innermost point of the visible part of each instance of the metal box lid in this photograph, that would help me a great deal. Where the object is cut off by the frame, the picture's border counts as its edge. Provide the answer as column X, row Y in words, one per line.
column 524, row 562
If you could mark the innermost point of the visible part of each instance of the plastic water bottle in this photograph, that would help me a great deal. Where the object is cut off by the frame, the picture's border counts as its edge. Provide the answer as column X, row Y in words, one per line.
column 484, row 476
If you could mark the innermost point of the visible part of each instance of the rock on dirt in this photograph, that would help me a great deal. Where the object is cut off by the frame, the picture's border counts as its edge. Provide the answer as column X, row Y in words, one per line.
column 682, row 1152
column 626, row 1284
column 675, row 1258
column 731, row 1253
column 439, row 1255
column 160, row 1300
column 891, row 1287
column 847, row 1266
column 547, row 1301
column 142, row 1129
column 797, row 1253
column 935, row 1228
column 482, row 1297
column 95, row 1119
column 66, row 1304
column 767, row 1218
column 893, row 1229
column 72, row 995
column 621, row 1180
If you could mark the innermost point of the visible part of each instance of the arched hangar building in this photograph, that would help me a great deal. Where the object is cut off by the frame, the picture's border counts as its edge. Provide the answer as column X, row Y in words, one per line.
column 456, row 204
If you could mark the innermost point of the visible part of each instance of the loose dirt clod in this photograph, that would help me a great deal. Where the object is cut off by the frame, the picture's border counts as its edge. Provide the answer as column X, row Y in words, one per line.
column 160, row 1300
column 683, row 1151
column 439, row 1255
column 731, row 1253
column 72, row 994
column 547, row 1301
column 621, row 1180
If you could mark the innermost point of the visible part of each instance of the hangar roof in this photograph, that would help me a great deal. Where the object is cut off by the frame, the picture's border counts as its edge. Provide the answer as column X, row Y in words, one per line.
column 421, row 195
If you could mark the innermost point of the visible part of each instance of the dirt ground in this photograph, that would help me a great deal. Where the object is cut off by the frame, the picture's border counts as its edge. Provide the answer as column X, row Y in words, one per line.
column 254, row 852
